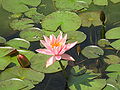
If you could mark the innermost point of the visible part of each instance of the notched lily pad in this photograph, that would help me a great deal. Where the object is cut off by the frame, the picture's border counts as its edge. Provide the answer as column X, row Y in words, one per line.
column 92, row 52
column 22, row 24
column 32, row 34
column 38, row 63
column 68, row 21
column 18, row 43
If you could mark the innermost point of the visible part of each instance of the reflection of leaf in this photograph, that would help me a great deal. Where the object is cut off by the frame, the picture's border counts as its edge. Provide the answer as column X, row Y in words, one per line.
column 32, row 34
column 92, row 51
column 112, row 59
column 38, row 63
column 24, row 23
column 89, row 18
column 17, row 6
column 18, row 42
column 76, row 36
column 2, row 40
column 70, row 4
column 113, row 33
column 68, row 21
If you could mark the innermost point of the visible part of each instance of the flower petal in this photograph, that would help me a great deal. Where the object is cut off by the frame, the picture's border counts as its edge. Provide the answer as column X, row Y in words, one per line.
column 63, row 41
column 67, row 57
column 46, row 44
column 46, row 39
column 58, row 57
column 59, row 36
column 50, row 61
column 69, row 46
column 44, row 51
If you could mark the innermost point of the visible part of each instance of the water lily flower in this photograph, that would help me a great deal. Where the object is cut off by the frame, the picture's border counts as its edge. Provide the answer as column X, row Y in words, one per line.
column 57, row 48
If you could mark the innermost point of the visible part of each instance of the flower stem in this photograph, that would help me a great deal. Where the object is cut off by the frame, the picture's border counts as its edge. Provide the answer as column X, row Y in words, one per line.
column 64, row 72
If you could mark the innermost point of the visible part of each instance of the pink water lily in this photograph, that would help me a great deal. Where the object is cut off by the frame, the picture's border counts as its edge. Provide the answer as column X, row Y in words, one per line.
column 57, row 48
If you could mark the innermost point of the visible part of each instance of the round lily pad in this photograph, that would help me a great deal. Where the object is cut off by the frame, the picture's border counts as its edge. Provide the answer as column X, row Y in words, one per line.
column 32, row 34
column 18, row 43
column 103, row 42
column 18, row 6
column 76, row 36
column 113, row 33
column 92, row 52
column 100, row 2
column 116, row 44
column 68, row 21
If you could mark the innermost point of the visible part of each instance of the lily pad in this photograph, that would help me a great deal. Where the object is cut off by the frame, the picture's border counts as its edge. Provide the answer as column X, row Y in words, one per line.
column 22, row 24
column 18, row 6
column 116, row 44
column 114, row 67
column 70, row 5
column 76, row 36
column 32, row 34
column 100, row 2
column 4, row 62
column 92, row 52
column 113, row 33
column 90, row 18
column 112, row 59
column 2, row 40
column 103, row 42
column 23, row 74
column 18, row 43
column 5, row 50
column 68, row 21
column 38, row 63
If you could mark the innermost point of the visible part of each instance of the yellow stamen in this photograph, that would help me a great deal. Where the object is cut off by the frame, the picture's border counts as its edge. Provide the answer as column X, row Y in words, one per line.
column 55, row 44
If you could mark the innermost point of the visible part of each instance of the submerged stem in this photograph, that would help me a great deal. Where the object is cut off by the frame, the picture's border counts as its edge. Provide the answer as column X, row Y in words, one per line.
column 103, row 31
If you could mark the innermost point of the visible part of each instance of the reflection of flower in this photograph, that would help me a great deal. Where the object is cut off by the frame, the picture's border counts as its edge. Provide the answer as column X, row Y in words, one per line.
column 56, row 47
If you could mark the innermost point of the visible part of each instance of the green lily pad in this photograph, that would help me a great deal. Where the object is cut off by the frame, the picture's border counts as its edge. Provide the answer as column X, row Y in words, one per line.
column 112, row 59
column 23, row 74
column 2, row 40
column 13, row 84
column 76, row 36
column 38, row 63
column 90, row 18
column 22, row 24
column 18, row 6
column 32, row 34
column 5, row 50
column 18, row 42
column 70, row 5
column 100, row 2
column 68, row 21
column 4, row 62
column 115, row 1
column 116, row 44
column 114, row 67
column 113, row 33
column 92, row 52
column 103, row 42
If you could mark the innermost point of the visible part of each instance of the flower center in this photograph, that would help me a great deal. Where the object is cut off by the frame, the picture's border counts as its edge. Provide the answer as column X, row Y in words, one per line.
column 55, row 44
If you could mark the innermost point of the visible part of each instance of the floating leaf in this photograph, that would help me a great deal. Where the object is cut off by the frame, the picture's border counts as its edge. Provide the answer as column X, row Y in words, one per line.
column 32, row 34
column 5, row 50
column 112, row 59
column 115, row 1
column 114, row 67
column 92, row 52
column 18, row 43
column 76, row 36
column 70, row 5
column 110, row 87
column 68, row 21
column 116, row 44
column 22, row 24
column 17, row 6
column 113, row 33
column 103, row 42
column 4, row 62
column 13, row 84
column 38, row 63
column 89, row 18
column 100, row 2
column 2, row 40
column 23, row 74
